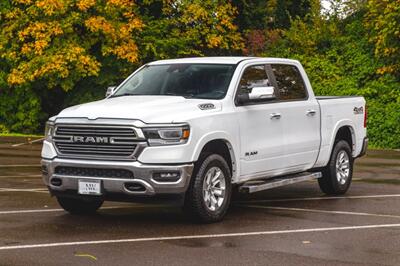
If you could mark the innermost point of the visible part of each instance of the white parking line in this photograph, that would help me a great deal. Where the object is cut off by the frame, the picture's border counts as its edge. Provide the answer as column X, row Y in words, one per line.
column 323, row 198
column 134, row 206
column 29, row 142
column 169, row 238
column 19, row 176
column 22, row 189
column 19, row 165
column 321, row 211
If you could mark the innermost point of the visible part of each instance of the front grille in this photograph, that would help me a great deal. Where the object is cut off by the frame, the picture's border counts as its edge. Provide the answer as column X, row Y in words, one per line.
column 100, row 141
column 93, row 172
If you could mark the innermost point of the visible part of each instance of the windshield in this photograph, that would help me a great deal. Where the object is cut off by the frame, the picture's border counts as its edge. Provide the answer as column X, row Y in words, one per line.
column 206, row 81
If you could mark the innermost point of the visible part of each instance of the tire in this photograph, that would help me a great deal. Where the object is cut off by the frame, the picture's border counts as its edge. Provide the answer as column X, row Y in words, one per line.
column 337, row 175
column 79, row 206
column 209, row 194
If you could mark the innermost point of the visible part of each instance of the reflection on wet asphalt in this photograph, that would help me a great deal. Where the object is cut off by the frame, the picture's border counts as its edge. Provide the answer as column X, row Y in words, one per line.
column 29, row 216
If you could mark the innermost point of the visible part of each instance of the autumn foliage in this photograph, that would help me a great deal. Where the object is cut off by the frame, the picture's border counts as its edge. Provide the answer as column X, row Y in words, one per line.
column 63, row 41
column 58, row 53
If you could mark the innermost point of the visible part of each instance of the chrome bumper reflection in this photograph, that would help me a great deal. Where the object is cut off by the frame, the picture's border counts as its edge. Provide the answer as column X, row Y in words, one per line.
column 142, row 177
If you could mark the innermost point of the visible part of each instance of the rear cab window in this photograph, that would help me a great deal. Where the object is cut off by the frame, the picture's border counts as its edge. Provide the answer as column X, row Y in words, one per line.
column 291, row 86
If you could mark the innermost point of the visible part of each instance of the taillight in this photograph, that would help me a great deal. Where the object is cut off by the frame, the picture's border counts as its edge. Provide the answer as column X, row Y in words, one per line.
column 365, row 116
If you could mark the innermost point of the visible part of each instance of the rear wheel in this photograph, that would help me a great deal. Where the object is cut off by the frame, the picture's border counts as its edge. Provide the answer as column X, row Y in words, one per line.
column 79, row 206
column 337, row 175
column 209, row 193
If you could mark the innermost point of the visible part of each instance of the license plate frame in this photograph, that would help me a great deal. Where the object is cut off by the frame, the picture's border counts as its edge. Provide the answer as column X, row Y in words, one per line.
column 90, row 187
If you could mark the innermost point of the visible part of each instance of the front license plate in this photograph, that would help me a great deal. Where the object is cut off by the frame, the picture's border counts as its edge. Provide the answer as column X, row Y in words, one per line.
column 89, row 187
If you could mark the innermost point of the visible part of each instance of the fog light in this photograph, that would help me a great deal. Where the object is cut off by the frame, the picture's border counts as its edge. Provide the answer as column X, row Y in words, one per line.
column 167, row 176
column 56, row 182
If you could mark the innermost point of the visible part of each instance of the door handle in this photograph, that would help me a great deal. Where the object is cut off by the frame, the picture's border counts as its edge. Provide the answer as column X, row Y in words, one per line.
column 311, row 112
column 275, row 116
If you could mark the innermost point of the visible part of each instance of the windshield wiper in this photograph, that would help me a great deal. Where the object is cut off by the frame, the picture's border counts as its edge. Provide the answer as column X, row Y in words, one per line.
column 124, row 94
column 176, row 94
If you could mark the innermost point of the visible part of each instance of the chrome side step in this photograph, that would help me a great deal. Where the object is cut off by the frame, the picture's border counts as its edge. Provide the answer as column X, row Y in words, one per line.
column 260, row 185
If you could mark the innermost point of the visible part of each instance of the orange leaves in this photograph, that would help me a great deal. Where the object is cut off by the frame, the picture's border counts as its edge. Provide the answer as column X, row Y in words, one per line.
column 50, row 7
column 99, row 23
column 121, row 3
column 59, row 64
column 60, row 42
column 84, row 5
column 127, row 50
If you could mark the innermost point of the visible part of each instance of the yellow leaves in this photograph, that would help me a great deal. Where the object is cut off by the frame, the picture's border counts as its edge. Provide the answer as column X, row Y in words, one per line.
column 40, row 30
column 15, row 78
column 205, row 24
column 84, row 5
column 99, row 23
column 60, row 42
column 50, row 7
column 26, row 2
column 59, row 65
column 386, row 70
column 127, row 51
column 214, row 41
column 121, row 3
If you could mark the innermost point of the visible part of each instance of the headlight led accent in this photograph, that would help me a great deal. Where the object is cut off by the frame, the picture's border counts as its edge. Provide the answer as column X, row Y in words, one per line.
column 167, row 135
column 49, row 131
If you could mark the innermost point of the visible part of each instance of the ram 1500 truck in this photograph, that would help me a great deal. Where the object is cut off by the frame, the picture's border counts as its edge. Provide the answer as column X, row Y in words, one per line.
column 196, row 129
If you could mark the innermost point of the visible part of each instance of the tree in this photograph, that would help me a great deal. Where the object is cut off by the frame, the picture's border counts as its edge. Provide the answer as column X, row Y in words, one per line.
column 73, row 47
column 188, row 28
column 59, row 42
column 383, row 21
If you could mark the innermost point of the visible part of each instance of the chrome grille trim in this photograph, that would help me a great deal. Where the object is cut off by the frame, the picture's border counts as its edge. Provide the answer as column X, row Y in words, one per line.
column 98, row 141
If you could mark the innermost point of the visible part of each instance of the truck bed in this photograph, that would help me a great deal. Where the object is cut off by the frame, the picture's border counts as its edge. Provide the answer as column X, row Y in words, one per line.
column 337, row 111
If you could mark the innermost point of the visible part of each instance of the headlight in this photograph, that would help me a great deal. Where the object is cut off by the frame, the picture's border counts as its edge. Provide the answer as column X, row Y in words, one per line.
column 167, row 135
column 48, row 131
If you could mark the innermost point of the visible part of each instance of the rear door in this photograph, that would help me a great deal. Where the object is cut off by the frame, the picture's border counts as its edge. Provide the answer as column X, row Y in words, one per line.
column 300, row 118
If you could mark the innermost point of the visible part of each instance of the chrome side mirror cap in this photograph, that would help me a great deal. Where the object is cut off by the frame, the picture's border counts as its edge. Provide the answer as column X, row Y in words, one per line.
column 110, row 90
column 262, row 93
column 257, row 94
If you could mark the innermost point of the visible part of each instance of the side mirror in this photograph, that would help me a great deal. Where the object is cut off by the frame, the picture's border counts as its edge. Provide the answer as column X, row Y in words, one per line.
column 257, row 94
column 110, row 91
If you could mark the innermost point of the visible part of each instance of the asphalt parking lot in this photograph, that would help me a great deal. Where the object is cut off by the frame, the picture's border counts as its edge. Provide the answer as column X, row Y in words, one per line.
column 293, row 225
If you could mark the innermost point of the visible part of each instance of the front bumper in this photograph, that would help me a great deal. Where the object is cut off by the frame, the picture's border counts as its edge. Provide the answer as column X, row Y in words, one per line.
column 111, row 186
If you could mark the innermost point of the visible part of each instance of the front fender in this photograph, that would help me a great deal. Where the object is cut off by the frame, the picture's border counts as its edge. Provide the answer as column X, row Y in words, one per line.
column 231, row 143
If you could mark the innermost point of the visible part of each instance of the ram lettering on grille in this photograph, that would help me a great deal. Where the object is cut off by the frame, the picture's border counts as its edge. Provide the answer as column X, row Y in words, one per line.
column 95, row 141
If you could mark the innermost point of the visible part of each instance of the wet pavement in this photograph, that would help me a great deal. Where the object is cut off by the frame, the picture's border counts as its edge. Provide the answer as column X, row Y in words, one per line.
column 293, row 225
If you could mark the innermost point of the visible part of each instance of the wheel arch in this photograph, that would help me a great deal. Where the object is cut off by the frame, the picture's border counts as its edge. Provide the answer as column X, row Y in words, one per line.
column 344, row 131
column 221, row 145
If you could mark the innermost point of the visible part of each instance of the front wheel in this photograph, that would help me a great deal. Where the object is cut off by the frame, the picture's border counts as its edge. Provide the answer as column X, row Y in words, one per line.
column 79, row 206
column 337, row 175
column 209, row 193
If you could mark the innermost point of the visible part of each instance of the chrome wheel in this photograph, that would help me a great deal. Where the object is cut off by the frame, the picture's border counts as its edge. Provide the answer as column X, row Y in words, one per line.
column 214, row 187
column 342, row 167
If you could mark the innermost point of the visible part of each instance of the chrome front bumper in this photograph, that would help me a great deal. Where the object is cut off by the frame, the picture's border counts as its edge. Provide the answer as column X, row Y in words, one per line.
column 142, row 175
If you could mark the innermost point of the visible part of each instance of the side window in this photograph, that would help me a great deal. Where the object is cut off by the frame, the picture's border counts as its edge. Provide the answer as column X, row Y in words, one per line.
column 290, row 83
column 253, row 76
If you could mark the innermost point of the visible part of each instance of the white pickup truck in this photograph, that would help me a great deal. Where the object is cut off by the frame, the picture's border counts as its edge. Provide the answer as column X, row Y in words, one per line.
column 195, row 129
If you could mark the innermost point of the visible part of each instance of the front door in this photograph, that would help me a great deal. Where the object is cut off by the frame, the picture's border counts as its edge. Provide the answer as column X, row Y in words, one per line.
column 261, row 129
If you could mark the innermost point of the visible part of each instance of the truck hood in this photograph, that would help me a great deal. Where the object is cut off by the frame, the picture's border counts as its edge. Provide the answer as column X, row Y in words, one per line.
column 149, row 109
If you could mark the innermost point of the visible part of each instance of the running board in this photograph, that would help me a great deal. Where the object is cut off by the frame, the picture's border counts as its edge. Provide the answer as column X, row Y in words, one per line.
column 260, row 185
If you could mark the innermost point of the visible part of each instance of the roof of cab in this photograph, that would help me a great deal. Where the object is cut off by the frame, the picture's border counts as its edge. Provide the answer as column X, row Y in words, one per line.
column 204, row 60
column 228, row 60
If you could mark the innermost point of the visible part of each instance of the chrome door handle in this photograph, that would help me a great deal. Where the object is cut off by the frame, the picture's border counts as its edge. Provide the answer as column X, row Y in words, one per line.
column 275, row 116
column 311, row 112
